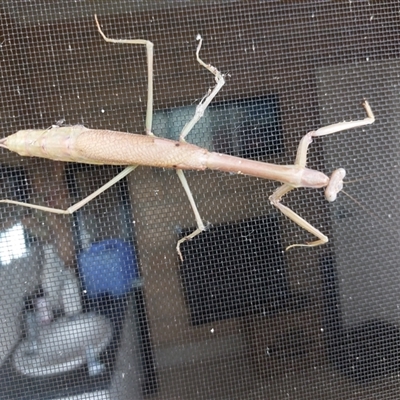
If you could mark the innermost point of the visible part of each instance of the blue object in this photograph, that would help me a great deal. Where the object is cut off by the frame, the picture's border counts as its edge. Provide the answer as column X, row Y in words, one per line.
column 108, row 267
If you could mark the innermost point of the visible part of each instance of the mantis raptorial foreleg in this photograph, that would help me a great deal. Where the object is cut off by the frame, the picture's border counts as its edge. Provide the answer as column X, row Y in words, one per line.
column 335, row 183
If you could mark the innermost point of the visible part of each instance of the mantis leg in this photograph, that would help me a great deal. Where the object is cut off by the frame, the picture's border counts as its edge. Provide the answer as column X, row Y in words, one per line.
column 275, row 199
column 200, row 109
column 149, row 51
column 80, row 204
column 199, row 221
column 335, row 183
column 301, row 157
column 206, row 100
column 342, row 126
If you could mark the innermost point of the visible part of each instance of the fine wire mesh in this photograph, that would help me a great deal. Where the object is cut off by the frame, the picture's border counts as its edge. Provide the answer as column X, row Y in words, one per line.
column 98, row 304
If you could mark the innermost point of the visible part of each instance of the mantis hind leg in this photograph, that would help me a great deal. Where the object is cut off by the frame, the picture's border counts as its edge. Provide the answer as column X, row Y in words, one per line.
column 80, row 204
column 149, row 51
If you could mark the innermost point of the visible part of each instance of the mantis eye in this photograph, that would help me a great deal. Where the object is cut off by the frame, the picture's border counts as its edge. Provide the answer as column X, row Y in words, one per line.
column 335, row 184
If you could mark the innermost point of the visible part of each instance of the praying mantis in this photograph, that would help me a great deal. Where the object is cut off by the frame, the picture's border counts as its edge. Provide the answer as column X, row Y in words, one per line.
column 93, row 146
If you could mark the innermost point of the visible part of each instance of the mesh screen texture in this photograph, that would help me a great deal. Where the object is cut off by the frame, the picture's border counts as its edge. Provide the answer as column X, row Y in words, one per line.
column 98, row 304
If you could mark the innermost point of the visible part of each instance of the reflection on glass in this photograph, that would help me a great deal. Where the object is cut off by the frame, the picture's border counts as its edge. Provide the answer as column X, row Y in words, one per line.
column 12, row 244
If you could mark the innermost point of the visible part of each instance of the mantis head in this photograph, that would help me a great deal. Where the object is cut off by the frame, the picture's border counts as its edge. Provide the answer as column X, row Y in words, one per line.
column 335, row 184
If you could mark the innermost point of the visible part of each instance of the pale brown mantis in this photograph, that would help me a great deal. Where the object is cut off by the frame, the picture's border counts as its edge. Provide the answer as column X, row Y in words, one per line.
column 93, row 146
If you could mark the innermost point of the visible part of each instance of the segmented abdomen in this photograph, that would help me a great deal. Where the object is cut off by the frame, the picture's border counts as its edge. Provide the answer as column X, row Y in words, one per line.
column 94, row 146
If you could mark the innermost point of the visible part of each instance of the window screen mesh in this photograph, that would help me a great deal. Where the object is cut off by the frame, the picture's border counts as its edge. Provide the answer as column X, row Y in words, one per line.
column 98, row 304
